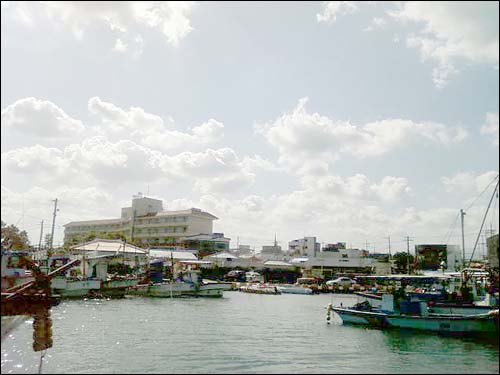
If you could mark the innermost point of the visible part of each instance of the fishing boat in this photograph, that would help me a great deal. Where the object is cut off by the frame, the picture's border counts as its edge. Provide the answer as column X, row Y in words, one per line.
column 416, row 315
column 294, row 289
column 95, row 281
column 186, row 283
column 259, row 289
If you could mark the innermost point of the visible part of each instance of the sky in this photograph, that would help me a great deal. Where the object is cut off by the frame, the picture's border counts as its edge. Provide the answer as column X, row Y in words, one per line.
column 349, row 121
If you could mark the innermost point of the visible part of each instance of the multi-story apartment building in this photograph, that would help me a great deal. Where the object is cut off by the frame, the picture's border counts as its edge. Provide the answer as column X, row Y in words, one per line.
column 306, row 246
column 146, row 223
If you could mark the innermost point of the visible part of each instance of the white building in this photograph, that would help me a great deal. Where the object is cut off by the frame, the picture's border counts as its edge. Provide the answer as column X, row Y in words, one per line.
column 306, row 246
column 242, row 250
column 273, row 252
column 145, row 222
column 330, row 263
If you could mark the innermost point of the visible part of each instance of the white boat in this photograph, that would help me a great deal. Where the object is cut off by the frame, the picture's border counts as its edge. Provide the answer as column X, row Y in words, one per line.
column 294, row 289
column 259, row 289
column 460, row 324
column 68, row 288
column 189, row 286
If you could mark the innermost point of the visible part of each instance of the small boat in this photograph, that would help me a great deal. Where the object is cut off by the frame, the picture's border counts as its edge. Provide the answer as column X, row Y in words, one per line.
column 260, row 289
column 187, row 284
column 416, row 315
column 294, row 289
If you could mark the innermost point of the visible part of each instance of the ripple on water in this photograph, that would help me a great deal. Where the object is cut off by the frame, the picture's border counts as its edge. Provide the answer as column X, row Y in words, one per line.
column 240, row 333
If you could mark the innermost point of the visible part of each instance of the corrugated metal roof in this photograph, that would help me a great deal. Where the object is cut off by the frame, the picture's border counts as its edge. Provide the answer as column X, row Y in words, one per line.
column 184, row 255
column 277, row 263
column 222, row 256
column 109, row 245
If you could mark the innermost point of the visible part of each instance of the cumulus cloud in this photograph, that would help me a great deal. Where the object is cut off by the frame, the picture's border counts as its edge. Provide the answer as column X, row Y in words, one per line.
column 171, row 18
column 40, row 118
column 331, row 9
column 214, row 171
column 304, row 139
column 98, row 161
column 151, row 130
column 452, row 32
column 94, row 161
column 357, row 187
column 331, row 217
column 120, row 46
column 469, row 183
column 491, row 127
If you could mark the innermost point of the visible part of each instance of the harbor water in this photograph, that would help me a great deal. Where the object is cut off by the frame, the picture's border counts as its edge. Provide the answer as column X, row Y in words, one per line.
column 239, row 333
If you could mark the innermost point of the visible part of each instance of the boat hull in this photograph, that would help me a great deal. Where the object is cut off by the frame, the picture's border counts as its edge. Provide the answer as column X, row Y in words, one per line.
column 172, row 290
column 460, row 310
column 447, row 324
column 74, row 288
column 368, row 318
column 294, row 290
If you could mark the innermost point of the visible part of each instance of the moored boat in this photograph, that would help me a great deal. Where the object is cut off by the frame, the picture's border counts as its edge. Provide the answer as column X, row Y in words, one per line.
column 294, row 289
column 416, row 315
column 259, row 289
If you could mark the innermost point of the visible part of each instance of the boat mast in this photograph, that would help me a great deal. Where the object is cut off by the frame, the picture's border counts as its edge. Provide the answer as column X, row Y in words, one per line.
column 53, row 225
column 462, row 214
column 482, row 223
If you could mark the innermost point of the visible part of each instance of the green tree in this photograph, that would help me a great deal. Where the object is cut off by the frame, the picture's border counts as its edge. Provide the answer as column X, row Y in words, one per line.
column 13, row 238
column 401, row 262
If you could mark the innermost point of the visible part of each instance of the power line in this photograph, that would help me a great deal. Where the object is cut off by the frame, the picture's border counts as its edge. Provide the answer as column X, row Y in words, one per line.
column 484, row 219
column 450, row 230
column 486, row 188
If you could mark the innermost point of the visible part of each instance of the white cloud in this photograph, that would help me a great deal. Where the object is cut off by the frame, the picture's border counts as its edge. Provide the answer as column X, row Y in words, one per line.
column 97, row 161
column 40, row 118
column 150, row 130
column 74, row 204
column 491, row 127
column 357, row 187
column 376, row 23
column 170, row 18
column 120, row 46
column 452, row 32
column 308, row 142
column 94, row 161
column 468, row 183
column 333, row 8
column 213, row 171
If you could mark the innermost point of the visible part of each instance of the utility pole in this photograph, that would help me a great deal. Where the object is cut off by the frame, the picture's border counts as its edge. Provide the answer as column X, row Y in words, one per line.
column 41, row 233
column 408, row 249
column 462, row 214
column 389, row 239
column 53, row 224
column 132, row 227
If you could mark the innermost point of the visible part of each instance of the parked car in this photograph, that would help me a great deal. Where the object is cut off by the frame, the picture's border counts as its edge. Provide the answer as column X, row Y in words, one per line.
column 341, row 281
column 235, row 275
column 253, row 276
